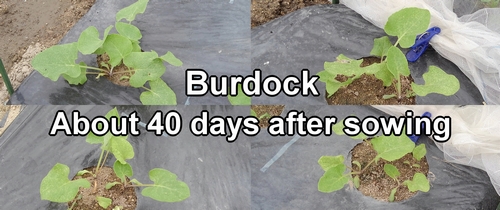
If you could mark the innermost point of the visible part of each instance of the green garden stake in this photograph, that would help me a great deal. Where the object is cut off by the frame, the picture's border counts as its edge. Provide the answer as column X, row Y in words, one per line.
column 6, row 78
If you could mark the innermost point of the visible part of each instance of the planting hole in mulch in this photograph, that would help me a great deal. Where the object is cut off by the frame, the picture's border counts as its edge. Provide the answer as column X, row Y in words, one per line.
column 265, row 112
column 264, row 11
column 368, row 90
column 374, row 182
column 121, row 73
column 121, row 196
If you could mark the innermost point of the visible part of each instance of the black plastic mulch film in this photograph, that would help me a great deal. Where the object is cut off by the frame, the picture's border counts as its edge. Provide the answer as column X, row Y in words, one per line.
column 225, row 175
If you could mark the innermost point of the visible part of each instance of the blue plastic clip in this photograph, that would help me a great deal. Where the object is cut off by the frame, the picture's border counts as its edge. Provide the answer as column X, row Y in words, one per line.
column 414, row 137
column 421, row 44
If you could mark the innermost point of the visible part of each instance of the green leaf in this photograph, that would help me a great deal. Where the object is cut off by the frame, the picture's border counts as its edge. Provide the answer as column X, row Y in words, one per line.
column 338, row 128
column 407, row 23
column 159, row 94
column 82, row 172
column 89, row 41
column 240, row 99
column 326, row 162
column 117, row 47
column 416, row 165
column 93, row 139
column 110, row 185
column 121, row 148
column 419, row 182
column 388, row 96
column 393, row 193
column 380, row 46
column 419, row 151
column 391, row 170
column 348, row 67
column 128, row 30
column 392, row 147
column 356, row 181
column 333, row 179
column 56, row 186
column 135, row 46
column 46, row 63
column 385, row 75
column 171, row 59
column 131, row 11
column 103, row 201
column 123, row 170
column 253, row 113
column 167, row 188
column 357, row 163
column 437, row 81
column 80, row 79
column 397, row 63
column 146, row 65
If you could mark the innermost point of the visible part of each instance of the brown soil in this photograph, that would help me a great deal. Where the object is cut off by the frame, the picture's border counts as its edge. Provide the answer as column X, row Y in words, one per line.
column 120, row 196
column 374, row 182
column 28, row 27
column 368, row 90
column 7, row 115
column 272, row 110
column 265, row 10
column 117, row 77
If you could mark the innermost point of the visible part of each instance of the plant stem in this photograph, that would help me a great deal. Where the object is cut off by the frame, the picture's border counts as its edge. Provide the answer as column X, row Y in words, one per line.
column 146, row 88
column 105, row 157
column 99, row 162
column 141, row 185
column 125, row 72
column 94, row 68
column 362, row 170
column 398, row 87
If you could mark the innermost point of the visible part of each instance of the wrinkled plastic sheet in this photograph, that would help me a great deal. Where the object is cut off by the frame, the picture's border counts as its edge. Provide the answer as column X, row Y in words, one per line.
column 216, row 172
column 306, row 38
column 290, row 181
column 209, row 35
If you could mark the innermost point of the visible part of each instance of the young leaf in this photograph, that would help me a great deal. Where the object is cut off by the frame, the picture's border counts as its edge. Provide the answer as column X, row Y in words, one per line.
column 128, row 30
column 50, row 67
column 131, row 11
column 103, row 201
column 348, row 67
column 393, row 193
column 407, row 23
column 265, row 115
column 79, row 79
column 166, row 187
column 392, row 147
column 326, row 162
column 82, row 172
column 356, row 181
column 117, row 47
column 388, row 96
column 385, row 75
column 419, row 151
column 357, row 163
column 419, row 182
column 171, row 59
column 240, row 99
column 134, row 181
column 397, row 63
column 253, row 113
column 416, row 165
column 437, row 81
column 117, row 208
column 160, row 94
column 123, row 170
column 110, row 185
column 333, row 179
column 56, row 186
column 121, row 148
column 391, row 171
column 407, row 162
column 146, row 65
column 89, row 41
column 380, row 46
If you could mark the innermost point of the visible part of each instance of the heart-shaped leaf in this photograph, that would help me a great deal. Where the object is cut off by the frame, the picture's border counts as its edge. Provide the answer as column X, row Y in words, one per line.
column 50, row 67
column 56, row 186
column 407, row 23
column 128, row 30
column 380, row 46
column 122, row 170
column 326, row 162
column 333, row 179
column 419, row 182
column 121, row 148
column 166, row 188
column 147, row 67
column 159, row 94
column 80, row 79
column 392, row 147
column 89, row 41
column 117, row 47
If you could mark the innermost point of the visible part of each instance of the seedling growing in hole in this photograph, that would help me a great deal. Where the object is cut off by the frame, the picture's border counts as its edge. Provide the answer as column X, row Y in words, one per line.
column 389, row 148
column 121, row 48
column 393, row 63
column 56, row 186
